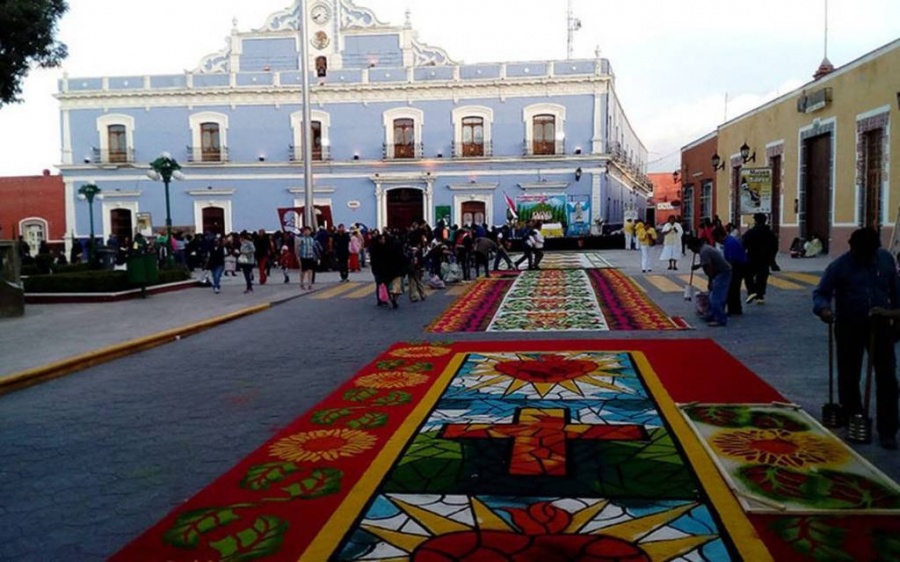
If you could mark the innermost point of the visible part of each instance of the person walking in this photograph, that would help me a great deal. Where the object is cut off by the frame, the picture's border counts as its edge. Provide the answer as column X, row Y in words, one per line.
column 734, row 254
column 305, row 248
column 341, row 241
column 719, row 273
column 646, row 238
column 502, row 247
column 864, row 286
column 672, row 233
column 628, row 230
column 761, row 246
column 537, row 244
column 245, row 260
column 215, row 264
column 527, row 248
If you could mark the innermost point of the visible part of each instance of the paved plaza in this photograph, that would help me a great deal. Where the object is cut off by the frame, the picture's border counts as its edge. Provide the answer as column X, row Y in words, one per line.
column 90, row 460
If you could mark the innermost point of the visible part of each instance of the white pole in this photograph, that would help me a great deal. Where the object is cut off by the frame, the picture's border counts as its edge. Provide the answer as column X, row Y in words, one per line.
column 309, row 212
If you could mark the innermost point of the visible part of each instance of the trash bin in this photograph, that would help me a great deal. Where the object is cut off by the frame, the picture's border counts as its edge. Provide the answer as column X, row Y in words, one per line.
column 106, row 256
column 142, row 270
column 12, row 292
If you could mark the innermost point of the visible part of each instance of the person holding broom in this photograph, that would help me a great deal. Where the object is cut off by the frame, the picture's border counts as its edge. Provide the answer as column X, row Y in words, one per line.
column 864, row 285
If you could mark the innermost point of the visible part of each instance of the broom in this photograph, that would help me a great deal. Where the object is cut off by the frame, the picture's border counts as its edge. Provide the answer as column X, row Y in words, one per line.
column 689, row 290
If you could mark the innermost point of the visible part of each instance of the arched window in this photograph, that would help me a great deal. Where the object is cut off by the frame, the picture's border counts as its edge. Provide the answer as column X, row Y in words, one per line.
column 403, row 132
column 404, row 138
column 545, row 129
column 544, row 141
column 116, row 134
column 473, row 136
column 209, row 137
column 210, row 143
column 320, row 123
column 118, row 143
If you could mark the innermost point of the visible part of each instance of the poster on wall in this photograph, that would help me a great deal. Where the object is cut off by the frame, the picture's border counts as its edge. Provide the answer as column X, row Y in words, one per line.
column 756, row 190
column 579, row 214
column 291, row 219
column 144, row 224
column 552, row 210
column 442, row 213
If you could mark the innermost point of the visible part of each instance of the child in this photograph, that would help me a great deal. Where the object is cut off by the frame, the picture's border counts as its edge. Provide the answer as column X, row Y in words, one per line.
column 284, row 260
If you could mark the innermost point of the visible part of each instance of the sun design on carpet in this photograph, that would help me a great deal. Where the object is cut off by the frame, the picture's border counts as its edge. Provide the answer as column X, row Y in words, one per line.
column 420, row 351
column 322, row 444
column 545, row 372
column 540, row 531
column 778, row 447
column 391, row 379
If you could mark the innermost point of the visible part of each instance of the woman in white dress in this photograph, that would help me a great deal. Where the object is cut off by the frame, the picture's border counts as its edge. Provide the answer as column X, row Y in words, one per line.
column 672, row 233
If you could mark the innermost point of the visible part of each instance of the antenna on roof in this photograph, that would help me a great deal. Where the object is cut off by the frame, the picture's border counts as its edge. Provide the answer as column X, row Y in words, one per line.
column 573, row 25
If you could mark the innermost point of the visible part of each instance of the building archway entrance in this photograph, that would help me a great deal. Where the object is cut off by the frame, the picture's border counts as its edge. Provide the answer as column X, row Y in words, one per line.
column 404, row 206
column 120, row 224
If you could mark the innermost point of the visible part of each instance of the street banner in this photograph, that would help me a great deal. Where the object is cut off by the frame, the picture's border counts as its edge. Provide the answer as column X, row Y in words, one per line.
column 579, row 214
column 756, row 190
column 290, row 218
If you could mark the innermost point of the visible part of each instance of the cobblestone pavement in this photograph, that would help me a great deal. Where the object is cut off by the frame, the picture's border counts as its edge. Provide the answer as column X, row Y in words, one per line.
column 90, row 460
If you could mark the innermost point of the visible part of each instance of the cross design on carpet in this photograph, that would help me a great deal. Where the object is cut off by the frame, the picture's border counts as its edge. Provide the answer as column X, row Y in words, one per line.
column 540, row 437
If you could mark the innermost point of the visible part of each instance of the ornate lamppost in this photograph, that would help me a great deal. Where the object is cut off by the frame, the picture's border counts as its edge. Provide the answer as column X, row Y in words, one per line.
column 87, row 192
column 166, row 168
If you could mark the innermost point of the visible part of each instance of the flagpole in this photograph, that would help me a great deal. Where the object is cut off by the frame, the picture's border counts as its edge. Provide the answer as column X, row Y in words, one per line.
column 309, row 212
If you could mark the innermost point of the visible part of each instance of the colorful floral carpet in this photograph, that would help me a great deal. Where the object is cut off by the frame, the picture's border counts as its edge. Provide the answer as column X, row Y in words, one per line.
column 519, row 451
column 555, row 300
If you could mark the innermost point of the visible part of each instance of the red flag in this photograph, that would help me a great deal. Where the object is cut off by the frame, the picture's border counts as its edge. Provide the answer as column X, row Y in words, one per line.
column 510, row 204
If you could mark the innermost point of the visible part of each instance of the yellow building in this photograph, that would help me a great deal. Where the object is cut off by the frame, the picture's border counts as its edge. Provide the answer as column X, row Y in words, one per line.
column 828, row 144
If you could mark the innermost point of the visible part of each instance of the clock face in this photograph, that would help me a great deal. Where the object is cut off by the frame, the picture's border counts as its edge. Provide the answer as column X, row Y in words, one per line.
column 320, row 14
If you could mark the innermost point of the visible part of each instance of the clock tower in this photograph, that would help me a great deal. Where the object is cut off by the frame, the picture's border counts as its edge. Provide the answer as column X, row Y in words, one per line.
column 323, row 20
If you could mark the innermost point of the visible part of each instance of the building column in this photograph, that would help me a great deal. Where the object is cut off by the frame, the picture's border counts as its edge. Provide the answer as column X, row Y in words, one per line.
column 380, row 208
column 428, row 215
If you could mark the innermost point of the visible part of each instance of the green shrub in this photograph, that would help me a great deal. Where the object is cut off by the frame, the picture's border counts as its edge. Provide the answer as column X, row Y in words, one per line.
column 93, row 281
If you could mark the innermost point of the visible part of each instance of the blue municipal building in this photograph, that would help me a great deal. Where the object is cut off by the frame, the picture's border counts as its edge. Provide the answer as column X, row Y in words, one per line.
column 400, row 132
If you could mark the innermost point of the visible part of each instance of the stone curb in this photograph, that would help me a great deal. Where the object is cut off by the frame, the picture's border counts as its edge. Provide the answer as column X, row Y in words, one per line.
column 64, row 367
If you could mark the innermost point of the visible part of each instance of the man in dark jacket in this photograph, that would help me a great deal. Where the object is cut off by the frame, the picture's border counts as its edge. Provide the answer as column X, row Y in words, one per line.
column 761, row 246
column 863, row 279
column 342, row 252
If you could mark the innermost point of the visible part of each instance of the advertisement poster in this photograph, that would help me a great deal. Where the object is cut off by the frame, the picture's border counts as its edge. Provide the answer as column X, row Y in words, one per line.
column 756, row 190
column 579, row 208
column 552, row 210
column 144, row 224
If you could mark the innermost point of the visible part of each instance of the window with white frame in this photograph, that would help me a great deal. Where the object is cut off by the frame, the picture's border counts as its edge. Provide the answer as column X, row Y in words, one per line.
column 116, row 136
column 33, row 231
column 545, row 125
column 321, row 142
column 706, row 200
column 472, row 131
column 209, row 134
column 403, row 132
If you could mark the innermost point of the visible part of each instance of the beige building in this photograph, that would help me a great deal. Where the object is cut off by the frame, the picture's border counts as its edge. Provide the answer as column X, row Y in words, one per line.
column 828, row 143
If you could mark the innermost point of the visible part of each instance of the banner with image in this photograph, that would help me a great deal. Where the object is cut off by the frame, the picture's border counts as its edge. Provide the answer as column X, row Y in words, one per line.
column 579, row 213
column 755, row 190
column 291, row 219
column 551, row 210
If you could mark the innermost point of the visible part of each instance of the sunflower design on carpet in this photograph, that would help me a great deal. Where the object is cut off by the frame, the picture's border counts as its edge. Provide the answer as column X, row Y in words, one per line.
column 543, row 374
column 322, row 444
column 447, row 528
column 778, row 447
column 420, row 351
column 391, row 379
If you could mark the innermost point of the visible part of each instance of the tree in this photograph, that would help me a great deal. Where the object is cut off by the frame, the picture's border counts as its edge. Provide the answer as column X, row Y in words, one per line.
column 27, row 38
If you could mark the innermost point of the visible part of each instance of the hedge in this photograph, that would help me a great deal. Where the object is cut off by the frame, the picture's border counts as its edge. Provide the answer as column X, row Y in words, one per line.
column 97, row 281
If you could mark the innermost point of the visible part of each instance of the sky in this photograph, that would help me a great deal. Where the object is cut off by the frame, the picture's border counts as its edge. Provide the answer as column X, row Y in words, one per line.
column 675, row 62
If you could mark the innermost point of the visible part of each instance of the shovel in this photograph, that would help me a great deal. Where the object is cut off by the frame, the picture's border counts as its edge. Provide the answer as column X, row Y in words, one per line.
column 689, row 290
column 832, row 414
column 859, row 427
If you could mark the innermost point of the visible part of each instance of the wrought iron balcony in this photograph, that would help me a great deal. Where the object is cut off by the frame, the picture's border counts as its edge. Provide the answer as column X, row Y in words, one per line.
column 112, row 156
column 393, row 151
column 207, row 154
column 319, row 153
column 472, row 149
column 539, row 148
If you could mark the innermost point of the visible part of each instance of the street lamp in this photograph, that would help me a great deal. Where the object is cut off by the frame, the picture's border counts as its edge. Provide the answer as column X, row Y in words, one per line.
column 165, row 168
column 87, row 192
